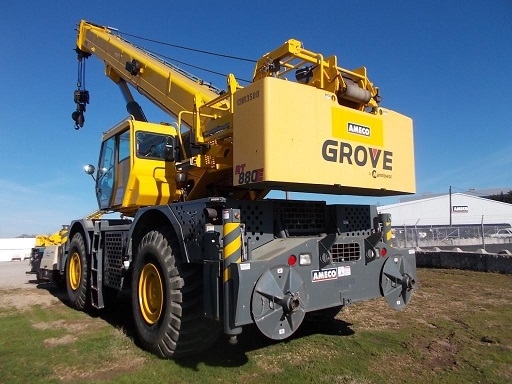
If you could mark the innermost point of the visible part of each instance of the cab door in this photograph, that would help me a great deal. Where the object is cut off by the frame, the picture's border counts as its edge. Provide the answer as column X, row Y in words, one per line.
column 113, row 170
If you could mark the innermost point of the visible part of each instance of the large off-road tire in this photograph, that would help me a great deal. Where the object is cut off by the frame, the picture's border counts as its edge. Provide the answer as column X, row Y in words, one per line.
column 77, row 274
column 167, row 298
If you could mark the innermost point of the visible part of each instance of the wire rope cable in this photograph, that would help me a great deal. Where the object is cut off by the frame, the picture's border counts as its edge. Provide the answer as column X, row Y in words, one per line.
column 188, row 49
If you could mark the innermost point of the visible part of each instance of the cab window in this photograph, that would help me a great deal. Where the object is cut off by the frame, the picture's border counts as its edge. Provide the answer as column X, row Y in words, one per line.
column 154, row 146
column 124, row 146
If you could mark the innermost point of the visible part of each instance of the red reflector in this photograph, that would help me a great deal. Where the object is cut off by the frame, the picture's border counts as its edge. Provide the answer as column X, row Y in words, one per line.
column 292, row 260
column 383, row 252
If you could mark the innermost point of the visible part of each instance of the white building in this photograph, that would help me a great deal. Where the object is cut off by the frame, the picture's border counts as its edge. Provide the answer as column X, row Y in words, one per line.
column 16, row 249
column 451, row 209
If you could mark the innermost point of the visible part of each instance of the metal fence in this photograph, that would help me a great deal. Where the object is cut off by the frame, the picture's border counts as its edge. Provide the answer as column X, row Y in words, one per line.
column 422, row 236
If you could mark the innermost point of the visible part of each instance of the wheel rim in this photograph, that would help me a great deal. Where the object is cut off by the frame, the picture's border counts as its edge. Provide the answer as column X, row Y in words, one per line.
column 151, row 295
column 75, row 271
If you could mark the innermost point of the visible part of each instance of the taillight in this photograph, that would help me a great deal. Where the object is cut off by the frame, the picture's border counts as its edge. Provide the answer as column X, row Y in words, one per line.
column 292, row 260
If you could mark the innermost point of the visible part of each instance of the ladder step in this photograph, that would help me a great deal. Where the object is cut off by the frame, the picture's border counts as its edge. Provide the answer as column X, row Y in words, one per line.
column 96, row 272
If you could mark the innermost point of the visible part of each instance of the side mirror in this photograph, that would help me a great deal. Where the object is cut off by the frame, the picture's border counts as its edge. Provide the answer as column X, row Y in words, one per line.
column 89, row 169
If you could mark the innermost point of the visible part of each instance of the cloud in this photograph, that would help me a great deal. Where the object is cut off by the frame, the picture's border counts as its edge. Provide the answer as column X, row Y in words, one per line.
column 7, row 187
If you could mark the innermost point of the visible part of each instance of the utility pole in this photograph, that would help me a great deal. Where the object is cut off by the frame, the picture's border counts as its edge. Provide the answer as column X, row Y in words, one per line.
column 483, row 234
column 450, row 205
column 416, row 231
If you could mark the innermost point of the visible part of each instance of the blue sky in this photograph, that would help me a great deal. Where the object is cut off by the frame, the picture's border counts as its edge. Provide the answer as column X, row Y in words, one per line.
column 446, row 64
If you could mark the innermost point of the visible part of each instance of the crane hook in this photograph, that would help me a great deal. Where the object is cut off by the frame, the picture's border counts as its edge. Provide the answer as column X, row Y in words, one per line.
column 78, row 118
column 81, row 98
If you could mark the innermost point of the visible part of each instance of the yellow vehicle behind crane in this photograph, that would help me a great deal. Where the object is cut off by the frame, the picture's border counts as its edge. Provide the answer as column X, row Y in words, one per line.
column 203, row 251
column 47, row 254
column 46, row 258
column 56, row 238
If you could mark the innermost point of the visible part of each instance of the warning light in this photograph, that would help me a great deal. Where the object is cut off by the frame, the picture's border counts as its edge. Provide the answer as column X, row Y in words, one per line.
column 292, row 260
column 383, row 252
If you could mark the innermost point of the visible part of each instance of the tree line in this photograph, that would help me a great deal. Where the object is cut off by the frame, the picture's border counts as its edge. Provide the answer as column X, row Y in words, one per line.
column 503, row 197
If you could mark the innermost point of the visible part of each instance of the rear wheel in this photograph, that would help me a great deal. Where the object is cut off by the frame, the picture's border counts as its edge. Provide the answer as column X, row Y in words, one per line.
column 167, row 299
column 77, row 270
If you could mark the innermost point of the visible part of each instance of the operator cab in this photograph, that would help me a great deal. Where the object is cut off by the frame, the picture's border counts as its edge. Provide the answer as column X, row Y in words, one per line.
column 136, row 166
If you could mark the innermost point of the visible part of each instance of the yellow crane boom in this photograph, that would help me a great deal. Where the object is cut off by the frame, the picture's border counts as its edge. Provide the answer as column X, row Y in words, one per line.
column 167, row 86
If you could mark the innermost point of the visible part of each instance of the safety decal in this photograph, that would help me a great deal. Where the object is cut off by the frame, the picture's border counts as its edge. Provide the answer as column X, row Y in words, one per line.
column 344, row 271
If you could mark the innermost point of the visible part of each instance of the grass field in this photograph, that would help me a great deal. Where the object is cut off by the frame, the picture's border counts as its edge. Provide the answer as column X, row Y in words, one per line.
column 457, row 329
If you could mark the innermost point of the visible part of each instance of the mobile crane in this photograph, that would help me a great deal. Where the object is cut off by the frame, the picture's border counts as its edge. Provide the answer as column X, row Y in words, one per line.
column 46, row 255
column 203, row 251
column 46, row 258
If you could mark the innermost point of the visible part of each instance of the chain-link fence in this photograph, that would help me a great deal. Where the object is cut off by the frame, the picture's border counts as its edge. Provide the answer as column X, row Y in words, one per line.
column 431, row 236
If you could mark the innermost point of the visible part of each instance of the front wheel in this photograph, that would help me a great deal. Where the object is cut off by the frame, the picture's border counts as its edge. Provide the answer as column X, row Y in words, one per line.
column 77, row 274
column 167, row 299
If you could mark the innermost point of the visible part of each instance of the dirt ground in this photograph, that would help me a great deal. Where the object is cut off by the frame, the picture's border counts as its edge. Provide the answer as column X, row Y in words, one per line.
column 453, row 313
column 13, row 276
